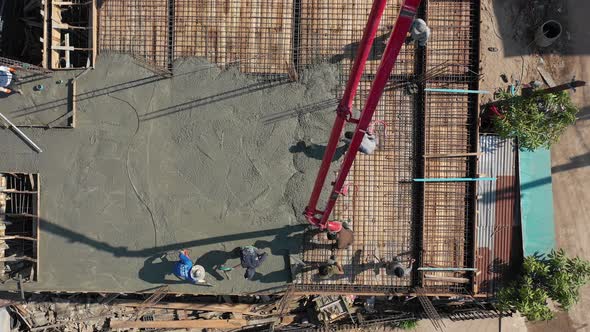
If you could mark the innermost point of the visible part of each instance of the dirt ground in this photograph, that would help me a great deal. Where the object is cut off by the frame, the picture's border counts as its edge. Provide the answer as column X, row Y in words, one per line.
column 504, row 27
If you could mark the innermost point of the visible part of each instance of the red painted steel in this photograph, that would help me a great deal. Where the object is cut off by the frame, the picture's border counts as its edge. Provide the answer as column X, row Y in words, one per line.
column 344, row 110
column 394, row 45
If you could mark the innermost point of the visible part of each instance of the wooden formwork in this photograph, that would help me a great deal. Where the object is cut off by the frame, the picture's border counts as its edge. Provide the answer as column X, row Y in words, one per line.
column 255, row 35
column 69, row 31
column 19, row 224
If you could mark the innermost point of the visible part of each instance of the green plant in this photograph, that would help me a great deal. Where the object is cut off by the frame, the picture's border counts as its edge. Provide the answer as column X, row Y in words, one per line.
column 555, row 276
column 408, row 324
column 537, row 120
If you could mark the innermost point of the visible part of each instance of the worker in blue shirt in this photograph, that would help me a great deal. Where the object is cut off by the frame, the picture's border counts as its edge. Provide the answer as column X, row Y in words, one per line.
column 186, row 270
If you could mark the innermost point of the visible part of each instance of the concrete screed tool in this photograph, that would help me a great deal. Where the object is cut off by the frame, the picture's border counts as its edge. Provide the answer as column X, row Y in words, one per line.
column 226, row 269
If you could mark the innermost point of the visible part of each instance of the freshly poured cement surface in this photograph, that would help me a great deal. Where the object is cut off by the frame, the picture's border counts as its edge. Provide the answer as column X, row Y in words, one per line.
column 158, row 165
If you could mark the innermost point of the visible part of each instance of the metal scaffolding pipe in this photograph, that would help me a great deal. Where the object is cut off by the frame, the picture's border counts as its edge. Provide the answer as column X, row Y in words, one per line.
column 344, row 110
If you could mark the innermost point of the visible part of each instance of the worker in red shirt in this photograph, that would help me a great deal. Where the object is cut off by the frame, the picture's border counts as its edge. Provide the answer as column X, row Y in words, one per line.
column 8, row 80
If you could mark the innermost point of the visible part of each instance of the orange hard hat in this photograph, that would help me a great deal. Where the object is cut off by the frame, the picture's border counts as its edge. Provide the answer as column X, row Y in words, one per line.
column 334, row 226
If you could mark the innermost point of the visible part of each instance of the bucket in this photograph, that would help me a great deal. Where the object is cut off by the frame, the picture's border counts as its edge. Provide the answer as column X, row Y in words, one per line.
column 548, row 33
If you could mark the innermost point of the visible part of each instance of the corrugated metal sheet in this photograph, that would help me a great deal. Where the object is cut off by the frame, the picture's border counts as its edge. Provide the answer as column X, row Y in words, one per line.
column 496, row 210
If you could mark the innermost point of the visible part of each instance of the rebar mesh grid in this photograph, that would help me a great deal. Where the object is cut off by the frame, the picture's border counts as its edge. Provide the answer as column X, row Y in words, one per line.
column 255, row 35
column 447, row 239
column 331, row 31
column 449, row 128
column 378, row 202
column 447, row 230
column 22, row 66
column 137, row 27
column 272, row 39
column 453, row 37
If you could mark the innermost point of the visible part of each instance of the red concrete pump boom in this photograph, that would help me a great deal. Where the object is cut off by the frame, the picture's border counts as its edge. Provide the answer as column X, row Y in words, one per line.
column 344, row 110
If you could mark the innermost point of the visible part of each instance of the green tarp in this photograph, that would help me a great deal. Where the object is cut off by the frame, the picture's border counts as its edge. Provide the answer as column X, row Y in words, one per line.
column 536, row 202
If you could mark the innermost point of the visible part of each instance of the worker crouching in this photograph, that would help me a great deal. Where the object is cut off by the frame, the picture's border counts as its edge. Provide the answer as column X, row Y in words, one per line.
column 420, row 32
column 186, row 270
column 368, row 144
column 330, row 268
column 250, row 259
column 396, row 268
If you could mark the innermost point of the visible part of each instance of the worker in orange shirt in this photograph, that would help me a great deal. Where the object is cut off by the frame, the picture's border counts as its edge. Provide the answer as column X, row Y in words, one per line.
column 8, row 80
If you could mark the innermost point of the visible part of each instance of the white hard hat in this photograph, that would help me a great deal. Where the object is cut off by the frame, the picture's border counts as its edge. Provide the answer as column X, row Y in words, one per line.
column 198, row 273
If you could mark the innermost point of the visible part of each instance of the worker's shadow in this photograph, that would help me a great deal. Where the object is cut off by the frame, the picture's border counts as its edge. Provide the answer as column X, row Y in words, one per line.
column 159, row 269
column 349, row 51
column 316, row 151
column 214, row 258
column 286, row 242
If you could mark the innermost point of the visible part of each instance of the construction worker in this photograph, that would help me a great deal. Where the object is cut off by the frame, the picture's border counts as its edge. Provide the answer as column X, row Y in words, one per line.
column 330, row 268
column 342, row 233
column 368, row 144
column 8, row 80
column 186, row 270
column 397, row 268
column 250, row 259
column 420, row 32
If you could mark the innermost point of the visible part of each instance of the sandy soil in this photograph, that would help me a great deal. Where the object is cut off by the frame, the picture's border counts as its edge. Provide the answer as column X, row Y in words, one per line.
column 504, row 27
column 157, row 165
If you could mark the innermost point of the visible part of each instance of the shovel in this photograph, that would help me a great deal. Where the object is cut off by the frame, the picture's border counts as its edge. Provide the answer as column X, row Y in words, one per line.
column 226, row 269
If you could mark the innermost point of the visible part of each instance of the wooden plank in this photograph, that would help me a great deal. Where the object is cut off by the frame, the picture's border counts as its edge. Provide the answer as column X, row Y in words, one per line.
column 180, row 324
column 17, row 237
column 15, row 258
column 93, row 35
column 66, row 26
column 54, row 36
column 452, row 155
column 73, row 92
column 546, row 77
column 221, row 307
column 45, row 49
column 67, row 44
column 14, row 191
column 447, row 279
column 70, row 3
column 289, row 319
column 37, row 212
column 69, row 48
